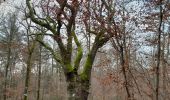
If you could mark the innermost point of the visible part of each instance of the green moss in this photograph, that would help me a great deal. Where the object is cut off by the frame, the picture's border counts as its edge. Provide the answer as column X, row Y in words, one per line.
column 86, row 71
column 78, row 58
column 69, row 67
column 83, row 76
column 80, row 51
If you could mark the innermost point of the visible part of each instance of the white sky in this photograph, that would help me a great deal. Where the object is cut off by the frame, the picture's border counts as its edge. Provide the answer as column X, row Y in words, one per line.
column 9, row 5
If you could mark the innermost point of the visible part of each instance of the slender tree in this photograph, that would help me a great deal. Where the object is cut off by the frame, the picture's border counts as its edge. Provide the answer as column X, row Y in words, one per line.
column 31, row 47
column 159, row 51
column 39, row 72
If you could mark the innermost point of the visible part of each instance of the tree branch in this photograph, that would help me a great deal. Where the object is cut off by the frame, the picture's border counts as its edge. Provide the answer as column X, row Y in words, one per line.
column 86, row 73
column 79, row 52
column 50, row 49
column 37, row 20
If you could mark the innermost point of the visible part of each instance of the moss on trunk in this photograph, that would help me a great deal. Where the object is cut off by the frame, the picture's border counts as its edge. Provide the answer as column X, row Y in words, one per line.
column 78, row 89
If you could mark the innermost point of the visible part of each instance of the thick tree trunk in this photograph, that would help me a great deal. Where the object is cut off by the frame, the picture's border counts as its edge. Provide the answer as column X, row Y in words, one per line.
column 77, row 89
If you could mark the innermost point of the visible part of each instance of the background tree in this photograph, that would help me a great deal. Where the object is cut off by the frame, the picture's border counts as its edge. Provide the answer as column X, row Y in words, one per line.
column 10, row 38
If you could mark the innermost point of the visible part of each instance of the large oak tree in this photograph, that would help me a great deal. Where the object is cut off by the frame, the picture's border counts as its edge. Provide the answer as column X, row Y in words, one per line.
column 65, row 13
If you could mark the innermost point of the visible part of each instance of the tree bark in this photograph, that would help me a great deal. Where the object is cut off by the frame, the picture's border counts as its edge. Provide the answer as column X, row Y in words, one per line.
column 6, row 69
column 78, row 89
column 159, row 52
column 124, row 71
column 39, row 73
column 29, row 64
column 27, row 78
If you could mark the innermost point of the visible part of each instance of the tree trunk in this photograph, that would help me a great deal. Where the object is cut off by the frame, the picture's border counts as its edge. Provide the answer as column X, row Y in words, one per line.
column 6, row 70
column 77, row 89
column 159, row 52
column 39, row 73
column 124, row 72
column 31, row 48
column 27, row 79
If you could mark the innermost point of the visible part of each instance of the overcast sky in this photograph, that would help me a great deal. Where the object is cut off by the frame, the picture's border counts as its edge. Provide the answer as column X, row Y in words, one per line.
column 9, row 5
